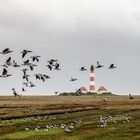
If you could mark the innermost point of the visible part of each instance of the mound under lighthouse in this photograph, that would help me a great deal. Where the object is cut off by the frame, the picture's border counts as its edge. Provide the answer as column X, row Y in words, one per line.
column 92, row 79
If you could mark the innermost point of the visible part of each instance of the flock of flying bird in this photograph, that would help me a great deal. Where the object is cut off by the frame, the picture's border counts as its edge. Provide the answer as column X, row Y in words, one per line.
column 26, row 66
column 29, row 64
column 112, row 66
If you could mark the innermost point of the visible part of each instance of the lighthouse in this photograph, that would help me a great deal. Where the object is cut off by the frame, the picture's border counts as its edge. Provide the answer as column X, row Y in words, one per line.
column 92, row 79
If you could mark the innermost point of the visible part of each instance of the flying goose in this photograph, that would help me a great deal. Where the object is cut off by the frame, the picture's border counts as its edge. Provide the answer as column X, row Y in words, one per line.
column 24, row 52
column 83, row 69
column 99, row 65
column 6, row 51
column 112, row 66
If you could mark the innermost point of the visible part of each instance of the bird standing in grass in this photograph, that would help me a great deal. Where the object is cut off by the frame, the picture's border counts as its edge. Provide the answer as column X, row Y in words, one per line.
column 131, row 97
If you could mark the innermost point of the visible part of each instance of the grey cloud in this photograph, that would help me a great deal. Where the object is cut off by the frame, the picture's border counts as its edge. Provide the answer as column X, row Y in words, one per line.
column 77, row 33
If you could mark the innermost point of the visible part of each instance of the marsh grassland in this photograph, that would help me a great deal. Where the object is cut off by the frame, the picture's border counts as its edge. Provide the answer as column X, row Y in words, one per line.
column 70, row 118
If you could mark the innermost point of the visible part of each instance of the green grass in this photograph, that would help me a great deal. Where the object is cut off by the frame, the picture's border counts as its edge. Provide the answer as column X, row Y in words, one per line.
column 31, row 133
column 11, row 122
column 104, row 94
column 87, row 130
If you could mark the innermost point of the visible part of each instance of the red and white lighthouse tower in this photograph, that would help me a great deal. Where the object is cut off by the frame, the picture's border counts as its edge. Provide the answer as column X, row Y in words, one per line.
column 92, row 79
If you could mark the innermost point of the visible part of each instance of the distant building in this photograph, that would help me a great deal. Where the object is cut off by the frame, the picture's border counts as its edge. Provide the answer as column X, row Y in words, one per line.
column 102, row 90
column 83, row 89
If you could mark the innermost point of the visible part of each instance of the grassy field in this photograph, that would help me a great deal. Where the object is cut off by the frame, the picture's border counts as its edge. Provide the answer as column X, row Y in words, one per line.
column 69, row 118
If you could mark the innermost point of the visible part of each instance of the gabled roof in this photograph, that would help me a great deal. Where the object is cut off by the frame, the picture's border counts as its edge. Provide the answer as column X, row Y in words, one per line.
column 83, row 88
column 102, row 88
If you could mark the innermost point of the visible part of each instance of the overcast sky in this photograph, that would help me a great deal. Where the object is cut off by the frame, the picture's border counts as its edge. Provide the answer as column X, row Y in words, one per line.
column 77, row 33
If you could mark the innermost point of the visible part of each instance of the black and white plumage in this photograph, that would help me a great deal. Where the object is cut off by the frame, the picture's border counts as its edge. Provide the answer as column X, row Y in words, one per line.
column 53, row 65
column 105, row 99
column 5, row 73
column 52, row 61
column 15, row 93
column 23, row 90
column 49, row 67
column 78, row 91
column 31, row 84
column 6, row 51
column 83, row 69
column 46, row 76
column 131, row 97
column 24, row 52
column 99, row 65
column 25, row 84
column 32, row 66
column 8, row 62
column 37, row 76
column 57, row 66
column 73, row 79
column 26, row 63
column 42, row 77
column 112, row 66
column 24, row 71
column 4, row 65
column 35, row 58
column 26, row 77
column 15, row 64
